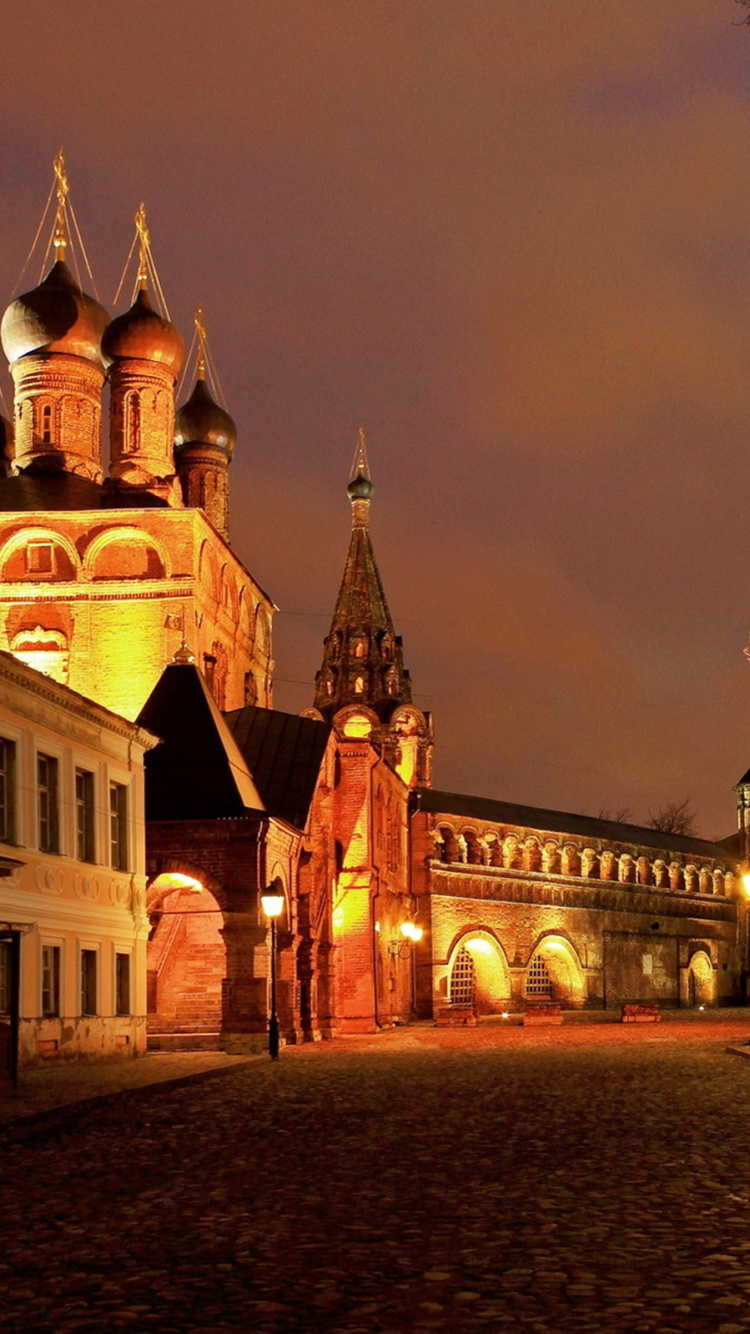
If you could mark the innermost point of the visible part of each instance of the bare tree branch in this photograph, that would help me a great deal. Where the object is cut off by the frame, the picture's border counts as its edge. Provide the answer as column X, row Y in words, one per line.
column 620, row 814
column 676, row 817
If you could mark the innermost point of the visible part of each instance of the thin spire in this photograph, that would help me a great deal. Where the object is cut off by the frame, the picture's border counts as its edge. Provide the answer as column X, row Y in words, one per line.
column 60, row 239
column 362, row 466
column 360, row 489
column 200, row 330
column 144, row 246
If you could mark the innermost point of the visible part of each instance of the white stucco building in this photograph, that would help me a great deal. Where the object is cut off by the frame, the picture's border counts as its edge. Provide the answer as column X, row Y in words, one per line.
column 73, row 926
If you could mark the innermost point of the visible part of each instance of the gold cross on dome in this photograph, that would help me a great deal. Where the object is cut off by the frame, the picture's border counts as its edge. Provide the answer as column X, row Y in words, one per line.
column 200, row 329
column 60, row 239
column 144, row 243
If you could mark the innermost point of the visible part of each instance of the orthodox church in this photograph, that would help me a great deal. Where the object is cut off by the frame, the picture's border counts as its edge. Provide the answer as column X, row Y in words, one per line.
column 400, row 901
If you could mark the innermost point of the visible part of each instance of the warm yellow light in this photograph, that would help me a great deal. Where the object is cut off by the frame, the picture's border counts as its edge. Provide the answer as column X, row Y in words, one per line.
column 272, row 901
column 478, row 946
column 357, row 725
column 176, row 880
column 746, row 883
column 411, row 931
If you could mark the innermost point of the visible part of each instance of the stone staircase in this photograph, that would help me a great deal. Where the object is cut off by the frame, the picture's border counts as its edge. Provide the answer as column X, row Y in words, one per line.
column 189, row 994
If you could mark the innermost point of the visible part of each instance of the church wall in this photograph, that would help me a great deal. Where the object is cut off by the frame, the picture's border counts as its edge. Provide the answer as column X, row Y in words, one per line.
column 393, row 905
column 105, row 613
column 603, row 942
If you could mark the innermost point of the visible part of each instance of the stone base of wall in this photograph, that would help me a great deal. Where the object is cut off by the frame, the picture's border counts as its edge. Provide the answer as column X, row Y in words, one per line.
column 543, row 1014
column 455, row 1016
column 43, row 1041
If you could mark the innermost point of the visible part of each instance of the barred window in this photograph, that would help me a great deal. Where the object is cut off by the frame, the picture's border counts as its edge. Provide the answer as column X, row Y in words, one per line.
column 462, row 979
column 538, row 980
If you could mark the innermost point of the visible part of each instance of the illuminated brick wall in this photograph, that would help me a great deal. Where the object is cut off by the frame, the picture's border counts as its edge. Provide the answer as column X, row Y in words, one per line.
column 609, row 923
column 96, row 598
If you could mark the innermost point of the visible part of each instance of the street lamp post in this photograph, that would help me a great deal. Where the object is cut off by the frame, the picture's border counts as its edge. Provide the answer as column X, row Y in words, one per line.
column 272, row 901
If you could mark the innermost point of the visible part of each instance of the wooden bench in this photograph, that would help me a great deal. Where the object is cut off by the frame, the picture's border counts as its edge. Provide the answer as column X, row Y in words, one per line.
column 450, row 1015
column 543, row 1014
column 640, row 1014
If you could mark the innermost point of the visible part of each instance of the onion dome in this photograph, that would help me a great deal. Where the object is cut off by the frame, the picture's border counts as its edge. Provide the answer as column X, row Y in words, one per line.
column 201, row 421
column 360, row 487
column 142, row 334
column 55, row 317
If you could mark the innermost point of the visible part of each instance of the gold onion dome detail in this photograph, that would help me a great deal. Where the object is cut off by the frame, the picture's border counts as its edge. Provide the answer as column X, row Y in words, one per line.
column 56, row 316
column 142, row 334
column 201, row 421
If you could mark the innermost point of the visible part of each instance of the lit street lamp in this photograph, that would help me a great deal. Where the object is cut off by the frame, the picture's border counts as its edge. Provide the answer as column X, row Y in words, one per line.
column 272, row 902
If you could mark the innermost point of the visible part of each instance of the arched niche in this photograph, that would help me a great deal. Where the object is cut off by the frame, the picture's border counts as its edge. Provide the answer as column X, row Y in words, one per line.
column 355, row 721
column 701, row 979
column 554, row 973
column 47, row 651
column 39, row 554
column 126, row 553
column 478, row 973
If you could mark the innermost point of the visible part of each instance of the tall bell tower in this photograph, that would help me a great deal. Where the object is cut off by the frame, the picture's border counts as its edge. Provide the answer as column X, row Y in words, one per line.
column 363, row 667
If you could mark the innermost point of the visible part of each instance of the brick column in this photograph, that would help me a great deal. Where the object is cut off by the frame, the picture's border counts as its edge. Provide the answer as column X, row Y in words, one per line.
column 245, row 997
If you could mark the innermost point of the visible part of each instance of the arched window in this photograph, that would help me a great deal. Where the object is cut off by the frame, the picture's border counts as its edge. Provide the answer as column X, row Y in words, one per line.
column 46, row 424
column 359, row 686
column 538, row 980
column 463, row 980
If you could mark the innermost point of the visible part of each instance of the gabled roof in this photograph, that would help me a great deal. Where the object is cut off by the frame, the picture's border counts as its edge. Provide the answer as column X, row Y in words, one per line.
column 197, row 772
column 283, row 753
column 560, row 822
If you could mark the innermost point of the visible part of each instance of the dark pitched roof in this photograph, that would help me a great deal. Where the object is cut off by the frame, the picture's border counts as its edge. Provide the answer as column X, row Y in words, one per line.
column 559, row 822
column 283, row 753
column 67, row 491
column 196, row 772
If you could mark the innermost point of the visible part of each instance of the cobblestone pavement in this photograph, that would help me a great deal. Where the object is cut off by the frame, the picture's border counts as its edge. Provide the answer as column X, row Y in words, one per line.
column 44, row 1089
column 586, row 1178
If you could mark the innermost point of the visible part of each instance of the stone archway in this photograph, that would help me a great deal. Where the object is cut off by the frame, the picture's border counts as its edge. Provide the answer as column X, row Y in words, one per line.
column 186, row 961
column 478, row 973
column 554, row 974
column 701, row 979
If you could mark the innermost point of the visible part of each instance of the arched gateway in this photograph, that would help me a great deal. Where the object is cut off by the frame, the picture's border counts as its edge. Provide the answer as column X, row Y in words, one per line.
column 186, row 960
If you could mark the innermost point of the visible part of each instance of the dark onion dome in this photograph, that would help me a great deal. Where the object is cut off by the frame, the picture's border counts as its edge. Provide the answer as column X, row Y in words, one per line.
column 55, row 317
column 201, row 421
column 142, row 334
column 360, row 487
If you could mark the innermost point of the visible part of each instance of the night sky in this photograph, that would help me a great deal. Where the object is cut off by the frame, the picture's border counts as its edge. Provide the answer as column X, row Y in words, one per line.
column 512, row 239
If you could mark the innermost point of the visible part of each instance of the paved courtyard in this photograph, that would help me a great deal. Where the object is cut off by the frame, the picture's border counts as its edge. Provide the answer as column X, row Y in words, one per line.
column 592, row 1178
